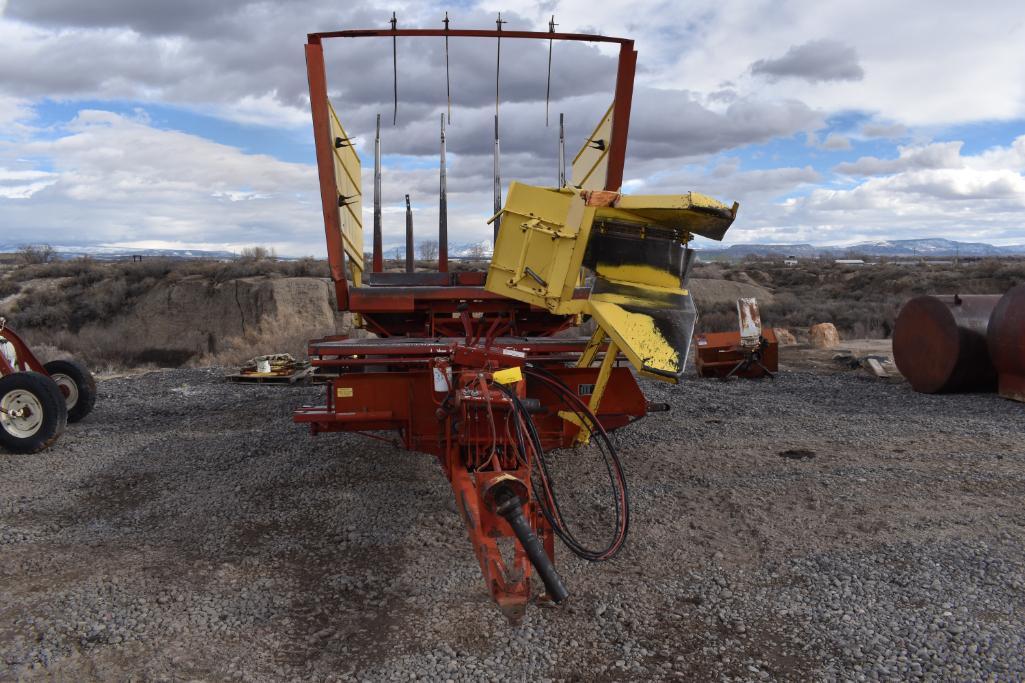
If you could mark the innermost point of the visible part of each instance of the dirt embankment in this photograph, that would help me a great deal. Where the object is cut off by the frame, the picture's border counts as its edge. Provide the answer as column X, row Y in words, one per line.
column 198, row 317
column 194, row 319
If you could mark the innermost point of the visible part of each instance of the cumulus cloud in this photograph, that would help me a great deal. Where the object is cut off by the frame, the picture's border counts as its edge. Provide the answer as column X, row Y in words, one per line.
column 932, row 156
column 818, row 60
column 832, row 142
column 888, row 131
column 930, row 190
column 702, row 94
column 118, row 179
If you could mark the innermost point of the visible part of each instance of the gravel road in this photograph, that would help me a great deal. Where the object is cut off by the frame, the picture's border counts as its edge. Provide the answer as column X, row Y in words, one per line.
column 821, row 527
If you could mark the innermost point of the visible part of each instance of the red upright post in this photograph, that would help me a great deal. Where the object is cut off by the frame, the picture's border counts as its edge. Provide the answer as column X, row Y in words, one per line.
column 621, row 115
column 326, row 168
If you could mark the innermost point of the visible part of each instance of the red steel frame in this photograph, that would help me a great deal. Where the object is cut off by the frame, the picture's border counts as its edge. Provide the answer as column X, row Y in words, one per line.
column 22, row 352
column 317, row 75
column 430, row 374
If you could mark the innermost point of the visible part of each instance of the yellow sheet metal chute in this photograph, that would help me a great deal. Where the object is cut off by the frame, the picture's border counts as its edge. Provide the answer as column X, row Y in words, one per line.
column 635, row 247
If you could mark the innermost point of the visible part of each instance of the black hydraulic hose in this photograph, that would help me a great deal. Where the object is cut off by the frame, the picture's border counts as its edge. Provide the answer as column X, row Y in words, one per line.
column 610, row 457
column 511, row 508
column 613, row 467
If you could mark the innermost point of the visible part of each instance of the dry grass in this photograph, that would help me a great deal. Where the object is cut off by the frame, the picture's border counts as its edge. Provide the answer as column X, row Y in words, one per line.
column 85, row 308
column 862, row 302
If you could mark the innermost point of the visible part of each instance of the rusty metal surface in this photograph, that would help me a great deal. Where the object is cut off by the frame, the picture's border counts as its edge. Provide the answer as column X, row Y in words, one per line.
column 1006, row 343
column 939, row 343
column 433, row 376
column 750, row 322
column 315, row 38
column 722, row 354
column 23, row 358
column 319, row 108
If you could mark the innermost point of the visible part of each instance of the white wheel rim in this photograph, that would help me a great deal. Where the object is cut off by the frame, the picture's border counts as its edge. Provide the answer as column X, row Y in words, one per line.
column 68, row 388
column 22, row 413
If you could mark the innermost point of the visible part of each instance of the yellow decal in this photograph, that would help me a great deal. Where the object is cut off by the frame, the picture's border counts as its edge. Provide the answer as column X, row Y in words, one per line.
column 508, row 376
column 344, row 392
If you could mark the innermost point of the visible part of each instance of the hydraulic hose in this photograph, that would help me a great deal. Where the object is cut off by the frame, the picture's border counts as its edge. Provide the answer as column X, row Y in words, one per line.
column 511, row 508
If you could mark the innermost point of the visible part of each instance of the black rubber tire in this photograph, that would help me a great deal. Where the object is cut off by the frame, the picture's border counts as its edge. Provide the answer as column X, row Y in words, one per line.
column 84, row 381
column 54, row 412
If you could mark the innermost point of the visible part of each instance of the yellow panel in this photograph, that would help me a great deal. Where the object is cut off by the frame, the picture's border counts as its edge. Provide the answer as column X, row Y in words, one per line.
column 591, row 163
column 348, row 180
column 696, row 213
column 540, row 247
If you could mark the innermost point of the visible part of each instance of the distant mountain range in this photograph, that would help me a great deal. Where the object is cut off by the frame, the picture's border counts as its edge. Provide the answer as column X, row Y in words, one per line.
column 933, row 247
column 914, row 248
column 106, row 253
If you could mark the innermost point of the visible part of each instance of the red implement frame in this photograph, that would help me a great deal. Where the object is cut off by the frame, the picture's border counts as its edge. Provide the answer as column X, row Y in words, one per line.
column 26, row 360
column 430, row 374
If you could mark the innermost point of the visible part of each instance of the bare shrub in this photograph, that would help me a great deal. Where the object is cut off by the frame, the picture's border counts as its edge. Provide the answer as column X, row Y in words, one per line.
column 33, row 254
column 8, row 287
column 258, row 254
column 428, row 250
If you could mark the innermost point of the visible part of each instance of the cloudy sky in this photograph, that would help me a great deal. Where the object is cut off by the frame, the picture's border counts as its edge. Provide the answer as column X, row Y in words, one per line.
column 185, row 123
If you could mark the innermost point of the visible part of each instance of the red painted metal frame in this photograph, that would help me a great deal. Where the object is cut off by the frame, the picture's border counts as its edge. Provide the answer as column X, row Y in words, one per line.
column 22, row 352
column 431, row 323
column 317, row 76
column 402, row 397
column 719, row 354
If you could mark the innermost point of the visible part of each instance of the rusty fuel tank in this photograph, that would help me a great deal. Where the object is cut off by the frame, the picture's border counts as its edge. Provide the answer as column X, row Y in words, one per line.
column 1006, row 339
column 939, row 343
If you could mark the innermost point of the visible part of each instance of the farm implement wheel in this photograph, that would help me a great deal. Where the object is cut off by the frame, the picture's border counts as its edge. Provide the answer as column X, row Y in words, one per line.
column 77, row 385
column 33, row 412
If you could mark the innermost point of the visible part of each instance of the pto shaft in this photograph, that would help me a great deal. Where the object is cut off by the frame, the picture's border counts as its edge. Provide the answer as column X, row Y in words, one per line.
column 511, row 508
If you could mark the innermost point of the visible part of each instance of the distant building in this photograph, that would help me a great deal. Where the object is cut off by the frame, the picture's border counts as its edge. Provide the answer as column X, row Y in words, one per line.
column 790, row 261
column 849, row 262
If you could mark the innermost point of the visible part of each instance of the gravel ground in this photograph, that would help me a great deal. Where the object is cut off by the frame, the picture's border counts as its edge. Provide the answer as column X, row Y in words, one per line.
column 819, row 527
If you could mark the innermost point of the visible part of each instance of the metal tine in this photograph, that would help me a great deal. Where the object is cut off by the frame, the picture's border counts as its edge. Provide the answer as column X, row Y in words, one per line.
column 443, row 207
column 409, row 237
column 378, row 247
column 562, row 152
column 498, row 182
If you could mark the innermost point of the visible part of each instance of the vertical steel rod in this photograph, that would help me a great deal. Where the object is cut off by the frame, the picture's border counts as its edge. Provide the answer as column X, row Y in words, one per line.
column 548, row 85
column 498, row 59
column 409, row 237
column 378, row 248
column 448, row 82
column 498, row 182
column 562, row 151
column 442, row 207
column 395, row 69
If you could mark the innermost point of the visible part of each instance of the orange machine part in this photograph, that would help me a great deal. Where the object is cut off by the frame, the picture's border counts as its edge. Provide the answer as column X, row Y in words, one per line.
column 718, row 353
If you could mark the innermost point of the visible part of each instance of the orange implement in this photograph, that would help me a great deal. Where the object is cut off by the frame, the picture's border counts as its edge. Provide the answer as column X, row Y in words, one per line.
column 720, row 354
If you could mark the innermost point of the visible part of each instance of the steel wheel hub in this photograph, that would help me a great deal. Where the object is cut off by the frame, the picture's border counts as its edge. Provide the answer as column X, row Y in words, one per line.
column 68, row 388
column 21, row 413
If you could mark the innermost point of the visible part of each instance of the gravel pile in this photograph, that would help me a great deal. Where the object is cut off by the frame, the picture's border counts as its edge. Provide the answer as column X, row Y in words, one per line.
column 817, row 527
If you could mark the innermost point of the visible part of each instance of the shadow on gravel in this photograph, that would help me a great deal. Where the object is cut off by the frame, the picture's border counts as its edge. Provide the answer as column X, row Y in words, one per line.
column 797, row 454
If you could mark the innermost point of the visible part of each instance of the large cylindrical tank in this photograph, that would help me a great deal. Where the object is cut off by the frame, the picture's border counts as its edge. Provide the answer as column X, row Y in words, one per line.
column 1006, row 338
column 939, row 343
